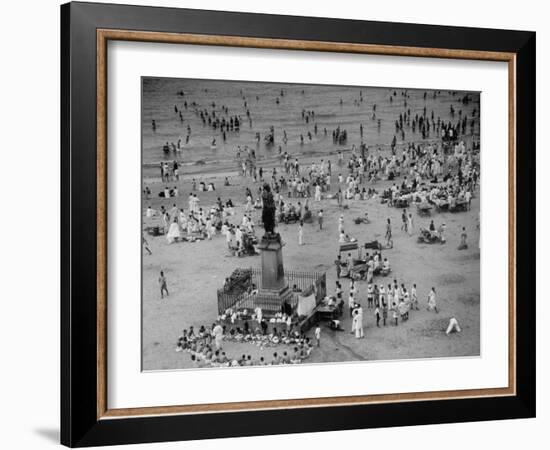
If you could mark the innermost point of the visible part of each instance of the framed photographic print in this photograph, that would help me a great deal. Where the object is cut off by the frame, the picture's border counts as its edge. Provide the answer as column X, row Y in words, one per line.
column 277, row 224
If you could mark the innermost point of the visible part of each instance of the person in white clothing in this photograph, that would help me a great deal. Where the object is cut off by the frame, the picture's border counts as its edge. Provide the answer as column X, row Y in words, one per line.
column 432, row 303
column 228, row 237
column 453, row 326
column 358, row 319
column 468, row 197
column 353, row 288
column 301, row 233
column 259, row 314
column 217, row 332
column 174, row 232
column 209, row 229
column 224, row 229
column 238, row 235
column 318, row 193
column 250, row 225
column 342, row 237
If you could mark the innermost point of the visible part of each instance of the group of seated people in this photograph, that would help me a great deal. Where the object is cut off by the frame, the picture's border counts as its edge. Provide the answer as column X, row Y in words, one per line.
column 165, row 193
column 433, row 234
column 452, row 198
column 345, row 238
column 356, row 193
column 289, row 211
column 260, row 334
column 333, row 302
column 375, row 263
column 368, row 267
column 204, row 352
column 197, row 223
column 300, row 187
column 241, row 240
column 455, row 192
column 262, row 338
column 207, row 187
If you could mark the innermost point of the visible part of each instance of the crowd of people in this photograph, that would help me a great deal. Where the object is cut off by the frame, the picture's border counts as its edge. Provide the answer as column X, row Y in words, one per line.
column 434, row 175
column 391, row 304
column 206, row 345
column 439, row 172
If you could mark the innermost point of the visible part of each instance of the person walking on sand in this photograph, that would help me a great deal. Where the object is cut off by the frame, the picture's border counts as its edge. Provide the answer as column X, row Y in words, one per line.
column 353, row 320
column 389, row 241
column 320, row 217
column 162, row 284
column 359, row 334
column 381, row 295
column 414, row 298
column 317, row 192
column 146, row 245
column 351, row 304
column 463, row 237
column 404, row 220
column 353, row 289
column 384, row 313
column 432, row 303
column 301, row 233
column 339, row 198
column 410, row 224
column 338, row 264
column 441, row 233
column 318, row 335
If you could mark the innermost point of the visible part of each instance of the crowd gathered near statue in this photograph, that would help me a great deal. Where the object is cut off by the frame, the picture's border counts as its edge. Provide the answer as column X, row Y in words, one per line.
column 363, row 199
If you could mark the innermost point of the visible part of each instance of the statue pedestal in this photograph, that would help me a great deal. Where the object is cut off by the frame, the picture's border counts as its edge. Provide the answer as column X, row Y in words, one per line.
column 274, row 289
column 273, row 273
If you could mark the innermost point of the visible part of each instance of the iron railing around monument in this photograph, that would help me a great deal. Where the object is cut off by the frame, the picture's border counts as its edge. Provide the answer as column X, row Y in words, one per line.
column 232, row 293
column 300, row 282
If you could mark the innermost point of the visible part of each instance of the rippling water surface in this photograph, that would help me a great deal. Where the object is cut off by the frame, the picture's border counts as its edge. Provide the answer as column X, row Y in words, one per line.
column 280, row 106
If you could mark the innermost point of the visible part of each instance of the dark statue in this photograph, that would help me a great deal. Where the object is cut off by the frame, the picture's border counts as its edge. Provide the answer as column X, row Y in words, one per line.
column 268, row 211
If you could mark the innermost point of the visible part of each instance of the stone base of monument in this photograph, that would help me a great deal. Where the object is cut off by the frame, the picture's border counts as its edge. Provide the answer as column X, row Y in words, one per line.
column 274, row 289
column 271, row 301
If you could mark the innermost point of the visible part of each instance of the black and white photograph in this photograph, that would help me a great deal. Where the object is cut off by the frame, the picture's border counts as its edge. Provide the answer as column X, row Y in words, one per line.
column 271, row 225
column 299, row 224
